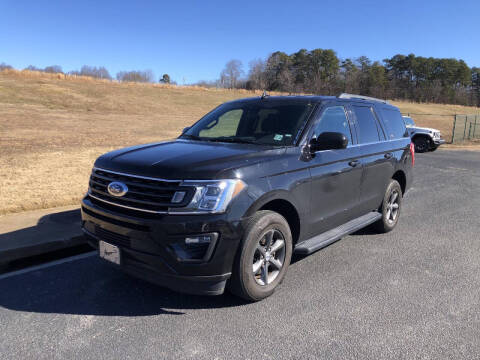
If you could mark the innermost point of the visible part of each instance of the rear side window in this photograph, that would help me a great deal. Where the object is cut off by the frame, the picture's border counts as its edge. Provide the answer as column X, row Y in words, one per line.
column 367, row 126
column 334, row 119
column 394, row 123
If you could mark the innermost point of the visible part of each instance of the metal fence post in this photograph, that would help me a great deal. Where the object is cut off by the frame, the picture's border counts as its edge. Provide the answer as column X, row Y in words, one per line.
column 475, row 126
column 453, row 130
column 465, row 127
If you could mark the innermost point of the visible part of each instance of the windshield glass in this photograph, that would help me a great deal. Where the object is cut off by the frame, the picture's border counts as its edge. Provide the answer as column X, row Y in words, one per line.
column 262, row 123
column 408, row 121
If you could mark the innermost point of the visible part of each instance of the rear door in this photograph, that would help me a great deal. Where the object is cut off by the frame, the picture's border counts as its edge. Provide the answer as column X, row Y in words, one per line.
column 375, row 156
column 335, row 174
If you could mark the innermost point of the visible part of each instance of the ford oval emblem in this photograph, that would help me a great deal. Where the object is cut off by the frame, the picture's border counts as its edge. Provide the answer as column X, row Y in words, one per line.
column 117, row 188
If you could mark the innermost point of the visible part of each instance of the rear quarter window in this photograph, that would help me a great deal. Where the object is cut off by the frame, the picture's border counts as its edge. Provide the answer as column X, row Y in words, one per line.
column 394, row 124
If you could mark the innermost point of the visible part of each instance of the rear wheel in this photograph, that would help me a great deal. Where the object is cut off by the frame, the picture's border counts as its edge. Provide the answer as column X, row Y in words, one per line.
column 421, row 144
column 263, row 258
column 391, row 207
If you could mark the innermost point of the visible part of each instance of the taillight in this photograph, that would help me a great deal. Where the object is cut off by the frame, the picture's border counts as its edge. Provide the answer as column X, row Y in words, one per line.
column 412, row 153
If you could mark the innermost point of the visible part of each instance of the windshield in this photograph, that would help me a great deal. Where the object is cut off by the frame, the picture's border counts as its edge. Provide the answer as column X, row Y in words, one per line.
column 262, row 123
column 408, row 121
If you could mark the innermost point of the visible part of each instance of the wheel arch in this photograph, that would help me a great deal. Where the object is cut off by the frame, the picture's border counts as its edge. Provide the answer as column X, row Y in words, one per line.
column 281, row 203
column 418, row 135
column 400, row 176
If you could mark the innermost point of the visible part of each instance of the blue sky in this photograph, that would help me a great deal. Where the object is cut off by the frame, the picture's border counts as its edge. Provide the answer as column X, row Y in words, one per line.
column 192, row 40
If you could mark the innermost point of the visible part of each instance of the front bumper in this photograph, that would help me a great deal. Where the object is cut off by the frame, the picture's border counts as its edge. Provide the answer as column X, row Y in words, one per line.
column 438, row 142
column 153, row 246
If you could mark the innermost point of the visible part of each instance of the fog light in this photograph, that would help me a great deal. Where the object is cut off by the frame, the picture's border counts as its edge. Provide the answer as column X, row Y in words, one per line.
column 194, row 248
column 194, row 240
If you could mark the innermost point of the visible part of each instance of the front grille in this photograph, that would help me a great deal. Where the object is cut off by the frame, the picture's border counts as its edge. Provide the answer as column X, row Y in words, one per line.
column 112, row 237
column 144, row 194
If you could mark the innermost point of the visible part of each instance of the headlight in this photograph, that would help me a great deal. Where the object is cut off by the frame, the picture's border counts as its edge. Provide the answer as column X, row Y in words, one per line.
column 210, row 196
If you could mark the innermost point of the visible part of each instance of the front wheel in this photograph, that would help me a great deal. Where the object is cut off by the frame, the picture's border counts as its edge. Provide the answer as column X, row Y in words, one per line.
column 263, row 258
column 421, row 144
column 391, row 207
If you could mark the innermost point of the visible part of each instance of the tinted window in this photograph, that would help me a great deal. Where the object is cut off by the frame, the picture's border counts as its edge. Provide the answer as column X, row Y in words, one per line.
column 258, row 122
column 225, row 125
column 334, row 119
column 366, row 124
column 394, row 123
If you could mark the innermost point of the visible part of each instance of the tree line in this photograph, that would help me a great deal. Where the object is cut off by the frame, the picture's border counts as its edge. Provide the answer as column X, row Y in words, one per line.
column 100, row 72
column 320, row 71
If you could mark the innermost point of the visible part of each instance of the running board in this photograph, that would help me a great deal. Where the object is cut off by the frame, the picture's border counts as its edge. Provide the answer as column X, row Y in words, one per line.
column 317, row 242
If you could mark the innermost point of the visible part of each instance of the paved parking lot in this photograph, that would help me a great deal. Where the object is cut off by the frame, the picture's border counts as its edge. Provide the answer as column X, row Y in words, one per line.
column 414, row 293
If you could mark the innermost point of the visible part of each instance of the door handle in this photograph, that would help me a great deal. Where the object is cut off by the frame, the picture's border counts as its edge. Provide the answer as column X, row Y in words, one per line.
column 353, row 163
column 388, row 155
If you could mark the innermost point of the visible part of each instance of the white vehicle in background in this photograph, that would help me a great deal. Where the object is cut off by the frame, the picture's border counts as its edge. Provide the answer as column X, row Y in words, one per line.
column 424, row 139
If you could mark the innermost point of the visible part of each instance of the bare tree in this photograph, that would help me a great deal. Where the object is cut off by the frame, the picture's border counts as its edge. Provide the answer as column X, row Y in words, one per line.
column 33, row 68
column 93, row 71
column 54, row 69
column 4, row 66
column 136, row 76
column 229, row 77
column 256, row 75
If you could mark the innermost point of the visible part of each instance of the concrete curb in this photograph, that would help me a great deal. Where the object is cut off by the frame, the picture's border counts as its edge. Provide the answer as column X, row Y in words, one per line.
column 37, row 232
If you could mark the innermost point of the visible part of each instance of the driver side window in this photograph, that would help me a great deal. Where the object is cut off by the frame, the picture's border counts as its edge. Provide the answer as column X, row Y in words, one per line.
column 334, row 119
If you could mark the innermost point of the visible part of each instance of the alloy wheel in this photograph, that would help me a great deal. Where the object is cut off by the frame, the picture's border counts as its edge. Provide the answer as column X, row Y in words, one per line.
column 392, row 207
column 269, row 257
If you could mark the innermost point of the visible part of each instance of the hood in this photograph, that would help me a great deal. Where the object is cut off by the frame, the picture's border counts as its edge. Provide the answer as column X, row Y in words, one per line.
column 421, row 129
column 186, row 159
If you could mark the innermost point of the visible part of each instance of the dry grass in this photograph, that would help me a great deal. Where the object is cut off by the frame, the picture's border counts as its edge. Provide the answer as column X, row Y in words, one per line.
column 52, row 127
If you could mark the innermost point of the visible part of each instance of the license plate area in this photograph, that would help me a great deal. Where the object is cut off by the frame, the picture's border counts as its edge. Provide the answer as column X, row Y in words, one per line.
column 109, row 252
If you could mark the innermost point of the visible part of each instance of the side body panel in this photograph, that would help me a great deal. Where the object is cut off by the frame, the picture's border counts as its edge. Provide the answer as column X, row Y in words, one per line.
column 336, row 178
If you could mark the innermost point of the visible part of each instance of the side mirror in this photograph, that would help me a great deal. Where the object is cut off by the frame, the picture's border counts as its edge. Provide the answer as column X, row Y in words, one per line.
column 185, row 129
column 328, row 141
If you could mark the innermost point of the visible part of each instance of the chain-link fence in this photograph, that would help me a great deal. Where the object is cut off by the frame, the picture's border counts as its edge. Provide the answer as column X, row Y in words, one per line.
column 465, row 127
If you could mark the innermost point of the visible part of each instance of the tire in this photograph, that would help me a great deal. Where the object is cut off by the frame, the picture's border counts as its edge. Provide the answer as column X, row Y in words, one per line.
column 433, row 148
column 421, row 144
column 254, row 253
column 390, row 212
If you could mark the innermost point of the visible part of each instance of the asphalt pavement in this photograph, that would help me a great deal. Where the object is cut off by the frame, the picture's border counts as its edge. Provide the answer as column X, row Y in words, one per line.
column 410, row 294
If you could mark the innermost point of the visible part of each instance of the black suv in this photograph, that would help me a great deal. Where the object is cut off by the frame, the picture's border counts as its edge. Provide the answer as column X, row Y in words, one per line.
column 252, row 182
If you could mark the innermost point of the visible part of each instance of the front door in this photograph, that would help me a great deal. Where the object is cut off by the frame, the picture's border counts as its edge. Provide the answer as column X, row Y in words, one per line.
column 335, row 174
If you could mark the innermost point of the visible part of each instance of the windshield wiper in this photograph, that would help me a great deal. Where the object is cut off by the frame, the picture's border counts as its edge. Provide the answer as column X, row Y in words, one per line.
column 191, row 137
column 233, row 140
column 219, row 139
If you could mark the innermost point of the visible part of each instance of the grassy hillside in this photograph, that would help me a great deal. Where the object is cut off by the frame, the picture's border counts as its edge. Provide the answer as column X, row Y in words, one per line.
column 52, row 128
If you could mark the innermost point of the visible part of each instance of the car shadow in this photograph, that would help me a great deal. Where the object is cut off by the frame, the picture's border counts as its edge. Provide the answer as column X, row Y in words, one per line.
column 368, row 230
column 89, row 286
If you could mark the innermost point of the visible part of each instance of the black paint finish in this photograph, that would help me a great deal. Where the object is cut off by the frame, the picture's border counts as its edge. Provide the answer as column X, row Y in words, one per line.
column 322, row 190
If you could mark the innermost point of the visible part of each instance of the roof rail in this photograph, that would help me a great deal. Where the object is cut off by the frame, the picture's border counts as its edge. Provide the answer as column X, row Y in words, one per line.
column 361, row 97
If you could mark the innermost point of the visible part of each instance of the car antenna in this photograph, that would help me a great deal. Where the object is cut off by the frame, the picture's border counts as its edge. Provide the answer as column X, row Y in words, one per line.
column 264, row 95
